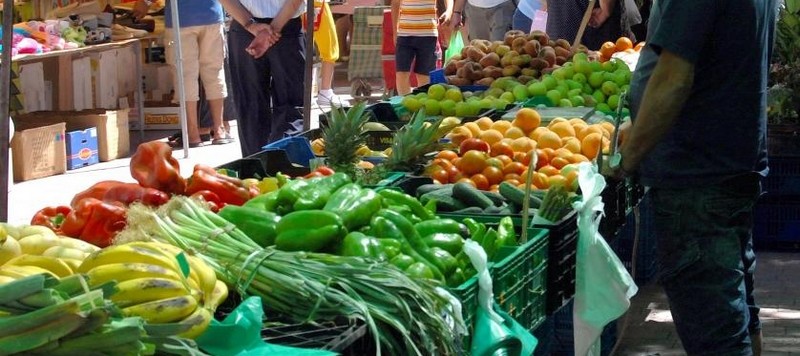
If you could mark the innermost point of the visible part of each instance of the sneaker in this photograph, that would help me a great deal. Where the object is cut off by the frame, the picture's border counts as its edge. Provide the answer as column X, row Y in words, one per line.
column 332, row 100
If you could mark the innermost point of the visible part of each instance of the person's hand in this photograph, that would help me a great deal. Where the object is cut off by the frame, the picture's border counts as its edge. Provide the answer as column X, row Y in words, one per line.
column 599, row 17
column 456, row 21
column 140, row 10
column 445, row 18
column 255, row 28
column 262, row 42
column 624, row 129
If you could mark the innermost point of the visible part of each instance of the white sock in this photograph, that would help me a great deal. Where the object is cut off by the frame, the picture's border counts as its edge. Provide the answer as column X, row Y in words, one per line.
column 326, row 92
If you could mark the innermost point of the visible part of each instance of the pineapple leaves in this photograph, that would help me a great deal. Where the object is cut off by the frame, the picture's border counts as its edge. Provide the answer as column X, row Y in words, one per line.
column 343, row 135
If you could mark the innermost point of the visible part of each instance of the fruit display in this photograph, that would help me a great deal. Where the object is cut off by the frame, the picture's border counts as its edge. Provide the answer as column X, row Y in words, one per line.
column 491, row 152
column 520, row 55
column 450, row 100
column 622, row 45
column 32, row 249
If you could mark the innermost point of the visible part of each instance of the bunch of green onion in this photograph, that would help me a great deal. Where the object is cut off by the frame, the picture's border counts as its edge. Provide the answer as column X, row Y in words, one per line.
column 404, row 316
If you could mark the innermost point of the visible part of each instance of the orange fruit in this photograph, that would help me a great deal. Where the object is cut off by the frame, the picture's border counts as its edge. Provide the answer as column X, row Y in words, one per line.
column 472, row 162
column 589, row 129
column 623, row 43
column 559, row 162
column 514, row 132
column 578, row 158
column 447, row 154
column 468, row 181
column 572, row 180
column 542, row 158
column 549, row 139
column 549, row 170
column 513, row 182
column 573, row 144
column 443, row 163
column 473, row 128
column 519, row 157
column 501, row 148
column 491, row 136
column 563, row 153
column 441, row 176
column 494, row 188
column 563, row 129
column 523, row 144
column 555, row 121
column 459, row 134
column 527, row 119
column 607, row 49
column 484, row 123
column 540, row 180
column 608, row 127
column 514, row 167
column 455, row 174
column 493, row 174
column 591, row 144
column 639, row 46
column 538, row 132
column 505, row 159
column 576, row 121
column 494, row 162
column 557, row 179
column 501, row 126
column 512, row 176
column 480, row 181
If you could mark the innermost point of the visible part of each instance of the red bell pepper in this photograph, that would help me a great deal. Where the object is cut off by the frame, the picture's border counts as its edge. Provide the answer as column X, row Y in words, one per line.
column 52, row 217
column 154, row 167
column 210, row 198
column 230, row 190
column 95, row 221
column 125, row 193
column 321, row 171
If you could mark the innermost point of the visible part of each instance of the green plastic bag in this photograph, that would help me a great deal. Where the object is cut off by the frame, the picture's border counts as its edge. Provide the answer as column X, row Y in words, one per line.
column 240, row 335
column 455, row 46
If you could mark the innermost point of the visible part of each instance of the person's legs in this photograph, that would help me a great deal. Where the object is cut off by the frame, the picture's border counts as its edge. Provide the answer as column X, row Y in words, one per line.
column 501, row 18
column 191, row 70
column 212, row 55
column 426, row 57
column 251, row 89
column 328, row 46
column 344, row 24
column 404, row 55
column 700, row 233
column 479, row 22
column 287, row 61
column 521, row 22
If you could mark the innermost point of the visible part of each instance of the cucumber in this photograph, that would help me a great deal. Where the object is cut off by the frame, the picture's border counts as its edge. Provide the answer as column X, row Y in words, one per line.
column 427, row 188
column 444, row 200
column 471, row 196
column 496, row 198
column 470, row 210
column 517, row 196
column 493, row 210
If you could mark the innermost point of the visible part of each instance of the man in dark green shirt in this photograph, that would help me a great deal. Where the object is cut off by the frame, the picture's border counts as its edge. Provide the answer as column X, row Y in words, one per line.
column 698, row 98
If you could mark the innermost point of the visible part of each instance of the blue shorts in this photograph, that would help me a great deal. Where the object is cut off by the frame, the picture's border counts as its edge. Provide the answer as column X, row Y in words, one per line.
column 706, row 262
column 421, row 50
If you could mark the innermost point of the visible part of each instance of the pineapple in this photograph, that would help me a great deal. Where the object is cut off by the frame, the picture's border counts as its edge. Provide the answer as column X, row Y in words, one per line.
column 413, row 142
column 343, row 136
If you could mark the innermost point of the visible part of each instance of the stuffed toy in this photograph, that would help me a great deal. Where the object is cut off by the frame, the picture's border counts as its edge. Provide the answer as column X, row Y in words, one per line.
column 75, row 35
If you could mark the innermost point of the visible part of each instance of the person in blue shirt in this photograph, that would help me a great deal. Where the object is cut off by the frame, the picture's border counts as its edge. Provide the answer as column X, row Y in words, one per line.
column 526, row 10
column 698, row 141
column 202, row 49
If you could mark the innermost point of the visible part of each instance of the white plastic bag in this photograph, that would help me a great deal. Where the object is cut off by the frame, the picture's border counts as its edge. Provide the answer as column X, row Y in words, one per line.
column 603, row 287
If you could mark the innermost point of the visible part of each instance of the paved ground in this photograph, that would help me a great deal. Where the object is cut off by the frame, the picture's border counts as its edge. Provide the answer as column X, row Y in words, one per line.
column 777, row 291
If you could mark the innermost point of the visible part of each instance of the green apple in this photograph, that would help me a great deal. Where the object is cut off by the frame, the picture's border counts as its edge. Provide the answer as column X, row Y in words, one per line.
column 432, row 107
column 468, row 94
column 609, row 66
column 574, row 92
column 494, row 92
column 587, row 89
column 520, row 93
column 559, row 74
column 582, row 67
column 454, row 94
column 577, row 101
column 599, row 97
column 501, row 104
column 625, row 88
column 620, row 79
column 608, row 77
column 572, row 84
column 580, row 57
column 569, row 71
column 565, row 103
column 603, row 107
column 411, row 104
column 596, row 79
column 555, row 96
column 462, row 109
column 564, row 89
column 448, row 107
column 549, row 82
column 436, row 92
column 596, row 66
column 475, row 107
column 537, row 89
column 580, row 78
column 507, row 96
column 613, row 101
column 610, row 88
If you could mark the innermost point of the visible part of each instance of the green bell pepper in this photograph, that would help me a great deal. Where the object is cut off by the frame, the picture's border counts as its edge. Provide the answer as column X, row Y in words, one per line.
column 488, row 243
column 431, row 206
column 506, row 235
column 355, row 205
column 258, row 224
column 435, row 226
column 317, row 194
column 406, row 212
column 445, row 259
column 414, row 245
column 290, row 192
column 260, row 201
column 399, row 198
column 420, row 270
column 390, row 247
column 452, row 243
column 456, row 278
column 309, row 230
column 360, row 245
column 402, row 261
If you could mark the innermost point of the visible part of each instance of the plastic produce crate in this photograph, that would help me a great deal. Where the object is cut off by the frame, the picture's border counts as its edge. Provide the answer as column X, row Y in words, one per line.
column 623, row 243
column 615, row 202
column 784, row 176
column 297, row 148
column 562, row 341
column 783, row 141
column 777, row 223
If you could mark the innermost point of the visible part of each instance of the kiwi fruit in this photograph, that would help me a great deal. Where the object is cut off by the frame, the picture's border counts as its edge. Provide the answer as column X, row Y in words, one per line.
column 563, row 52
column 563, row 43
column 532, row 47
column 518, row 44
column 458, row 81
column 539, row 64
column 491, row 59
column 485, row 81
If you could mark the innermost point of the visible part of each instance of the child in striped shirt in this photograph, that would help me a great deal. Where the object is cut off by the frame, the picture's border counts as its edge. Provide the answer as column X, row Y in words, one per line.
column 415, row 24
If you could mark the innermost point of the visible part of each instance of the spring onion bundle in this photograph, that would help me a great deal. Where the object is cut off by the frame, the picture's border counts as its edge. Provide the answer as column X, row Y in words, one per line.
column 404, row 316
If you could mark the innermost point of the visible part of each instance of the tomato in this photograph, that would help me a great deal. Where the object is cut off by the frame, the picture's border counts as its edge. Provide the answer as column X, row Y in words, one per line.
column 481, row 182
column 514, row 182
column 441, row 162
column 494, row 162
column 467, row 180
column 540, row 180
column 519, row 157
column 559, row 162
column 447, row 154
column 505, row 159
column 452, row 172
column 494, row 188
column 514, row 167
column 472, row 162
column 493, row 174
column 512, row 176
column 501, row 148
column 572, row 180
column 549, row 170
column 542, row 159
column 473, row 144
column 526, row 159
column 441, row 175
column 325, row 170
column 557, row 179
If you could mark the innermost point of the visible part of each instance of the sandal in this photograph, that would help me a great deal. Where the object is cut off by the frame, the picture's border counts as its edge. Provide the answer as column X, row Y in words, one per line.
column 178, row 138
column 221, row 141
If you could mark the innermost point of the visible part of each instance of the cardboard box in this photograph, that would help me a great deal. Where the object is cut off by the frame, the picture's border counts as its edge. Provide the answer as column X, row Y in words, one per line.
column 38, row 151
column 113, row 137
column 82, row 148
column 162, row 118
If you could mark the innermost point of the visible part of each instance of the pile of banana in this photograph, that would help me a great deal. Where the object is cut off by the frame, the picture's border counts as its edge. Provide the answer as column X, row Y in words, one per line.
column 318, row 147
column 28, row 250
column 152, row 284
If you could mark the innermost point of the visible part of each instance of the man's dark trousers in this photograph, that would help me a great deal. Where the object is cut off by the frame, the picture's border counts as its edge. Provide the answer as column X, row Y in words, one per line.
column 269, row 89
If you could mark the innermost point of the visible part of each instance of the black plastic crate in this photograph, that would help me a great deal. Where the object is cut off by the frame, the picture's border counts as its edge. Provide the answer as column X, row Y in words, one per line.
column 777, row 223
column 783, row 141
column 382, row 112
column 265, row 164
column 562, row 338
column 783, row 177
column 623, row 243
column 561, row 271
column 615, row 203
